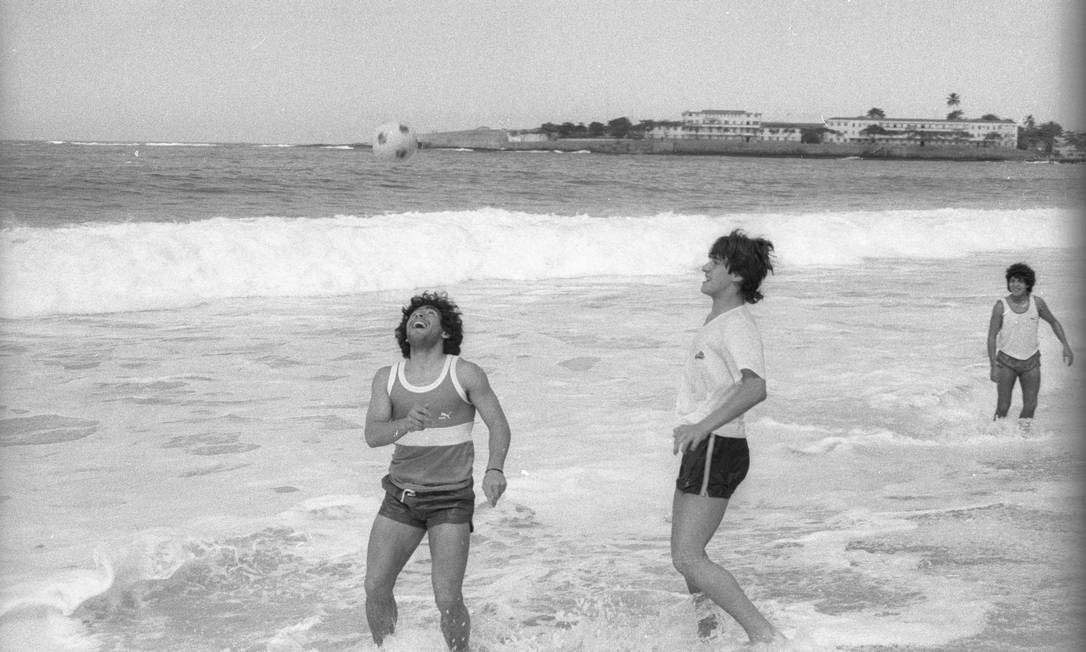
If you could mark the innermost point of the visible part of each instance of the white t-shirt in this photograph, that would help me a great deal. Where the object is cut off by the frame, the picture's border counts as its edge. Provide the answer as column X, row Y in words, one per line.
column 720, row 351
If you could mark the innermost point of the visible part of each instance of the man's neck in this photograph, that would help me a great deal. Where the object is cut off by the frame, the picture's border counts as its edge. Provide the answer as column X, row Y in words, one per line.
column 427, row 356
column 724, row 302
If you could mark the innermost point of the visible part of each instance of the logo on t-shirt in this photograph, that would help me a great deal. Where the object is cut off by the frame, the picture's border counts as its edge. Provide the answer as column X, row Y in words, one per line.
column 700, row 355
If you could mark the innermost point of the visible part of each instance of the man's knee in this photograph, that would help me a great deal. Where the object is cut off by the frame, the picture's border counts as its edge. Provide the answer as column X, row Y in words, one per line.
column 377, row 587
column 687, row 563
column 448, row 599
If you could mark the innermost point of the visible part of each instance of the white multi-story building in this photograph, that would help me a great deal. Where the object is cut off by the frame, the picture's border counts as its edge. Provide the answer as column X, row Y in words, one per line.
column 922, row 131
column 713, row 124
column 746, row 126
column 722, row 124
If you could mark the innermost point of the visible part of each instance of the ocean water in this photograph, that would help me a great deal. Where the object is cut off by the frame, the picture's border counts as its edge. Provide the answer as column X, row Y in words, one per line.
column 188, row 334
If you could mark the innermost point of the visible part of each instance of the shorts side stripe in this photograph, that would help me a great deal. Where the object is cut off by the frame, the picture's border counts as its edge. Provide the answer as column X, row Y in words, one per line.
column 708, row 466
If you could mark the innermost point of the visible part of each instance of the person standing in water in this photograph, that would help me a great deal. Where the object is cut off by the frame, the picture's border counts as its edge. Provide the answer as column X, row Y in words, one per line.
column 1013, row 349
column 425, row 405
column 723, row 377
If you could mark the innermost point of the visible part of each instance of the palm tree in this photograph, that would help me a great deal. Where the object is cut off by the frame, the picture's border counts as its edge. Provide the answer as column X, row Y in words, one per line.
column 953, row 100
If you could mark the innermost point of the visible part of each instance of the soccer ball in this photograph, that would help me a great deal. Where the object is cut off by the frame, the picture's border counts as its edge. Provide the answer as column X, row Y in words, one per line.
column 394, row 141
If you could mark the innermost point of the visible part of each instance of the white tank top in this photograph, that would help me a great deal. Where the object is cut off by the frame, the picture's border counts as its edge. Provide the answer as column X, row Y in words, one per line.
column 1018, row 336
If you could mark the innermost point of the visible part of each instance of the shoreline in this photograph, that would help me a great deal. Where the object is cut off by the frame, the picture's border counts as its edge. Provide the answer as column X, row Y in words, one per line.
column 496, row 140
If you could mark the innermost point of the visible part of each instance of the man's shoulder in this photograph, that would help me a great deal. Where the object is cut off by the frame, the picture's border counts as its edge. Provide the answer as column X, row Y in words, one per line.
column 382, row 373
column 736, row 318
column 467, row 367
column 469, row 374
column 737, row 328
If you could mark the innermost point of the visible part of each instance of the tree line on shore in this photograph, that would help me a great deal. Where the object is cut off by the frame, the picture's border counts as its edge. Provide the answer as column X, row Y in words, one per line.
column 617, row 128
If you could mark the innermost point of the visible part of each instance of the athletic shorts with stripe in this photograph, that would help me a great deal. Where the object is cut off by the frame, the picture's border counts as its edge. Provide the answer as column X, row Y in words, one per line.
column 425, row 510
column 715, row 467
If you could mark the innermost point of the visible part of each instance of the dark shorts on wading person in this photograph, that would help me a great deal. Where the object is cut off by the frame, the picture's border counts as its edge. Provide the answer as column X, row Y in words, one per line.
column 715, row 467
column 1019, row 367
column 427, row 509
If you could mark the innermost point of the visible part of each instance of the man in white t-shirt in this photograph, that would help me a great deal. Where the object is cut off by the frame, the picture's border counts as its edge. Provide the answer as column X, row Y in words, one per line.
column 723, row 377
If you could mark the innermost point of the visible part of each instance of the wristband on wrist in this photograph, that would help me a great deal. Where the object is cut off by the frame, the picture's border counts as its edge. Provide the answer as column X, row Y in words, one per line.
column 494, row 468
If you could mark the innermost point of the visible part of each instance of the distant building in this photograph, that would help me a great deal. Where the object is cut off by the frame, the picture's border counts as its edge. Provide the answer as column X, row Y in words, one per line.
column 747, row 126
column 713, row 124
column 791, row 131
column 527, row 136
column 922, row 131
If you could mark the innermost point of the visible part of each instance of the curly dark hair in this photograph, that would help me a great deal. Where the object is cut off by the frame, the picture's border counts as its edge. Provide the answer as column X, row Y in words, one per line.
column 1025, row 273
column 751, row 258
column 450, row 321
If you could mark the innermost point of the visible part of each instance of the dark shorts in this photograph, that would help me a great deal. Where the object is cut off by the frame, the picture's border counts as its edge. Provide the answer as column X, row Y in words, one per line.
column 1019, row 366
column 714, row 473
column 425, row 510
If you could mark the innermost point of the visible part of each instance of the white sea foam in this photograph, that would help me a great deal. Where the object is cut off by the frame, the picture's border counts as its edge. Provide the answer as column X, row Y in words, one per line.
column 883, row 507
column 34, row 615
column 97, row 268
column 98, row 144
column 61, row 593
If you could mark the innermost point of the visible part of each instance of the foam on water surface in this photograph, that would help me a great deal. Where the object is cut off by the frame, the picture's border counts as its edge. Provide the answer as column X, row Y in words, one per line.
column 224, row 497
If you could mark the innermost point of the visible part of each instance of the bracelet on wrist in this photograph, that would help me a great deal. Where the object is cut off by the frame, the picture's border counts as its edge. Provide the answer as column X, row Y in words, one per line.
column 494, row 468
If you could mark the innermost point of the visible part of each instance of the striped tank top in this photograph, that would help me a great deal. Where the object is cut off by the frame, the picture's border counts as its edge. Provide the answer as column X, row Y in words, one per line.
column 440, row 457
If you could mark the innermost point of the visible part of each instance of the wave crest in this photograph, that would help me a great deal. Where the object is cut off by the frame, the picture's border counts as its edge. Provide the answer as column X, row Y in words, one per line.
column 97, row 268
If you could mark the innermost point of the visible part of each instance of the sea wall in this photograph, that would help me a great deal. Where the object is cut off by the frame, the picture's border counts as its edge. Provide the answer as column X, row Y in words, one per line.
column 472, row 139
column 498, row 139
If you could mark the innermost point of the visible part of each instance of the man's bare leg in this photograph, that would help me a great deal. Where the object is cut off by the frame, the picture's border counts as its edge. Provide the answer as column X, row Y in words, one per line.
column 694, row 521
column 390, row 547
column 449, row 554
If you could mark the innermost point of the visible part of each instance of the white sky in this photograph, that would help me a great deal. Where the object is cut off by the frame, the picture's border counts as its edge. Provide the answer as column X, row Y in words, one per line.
column 330, row 71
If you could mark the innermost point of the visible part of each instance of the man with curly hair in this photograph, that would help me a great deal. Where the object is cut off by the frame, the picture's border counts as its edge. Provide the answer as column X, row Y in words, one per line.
column 1014, row 351
column 425, row 406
